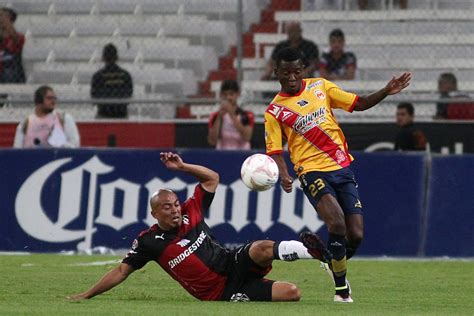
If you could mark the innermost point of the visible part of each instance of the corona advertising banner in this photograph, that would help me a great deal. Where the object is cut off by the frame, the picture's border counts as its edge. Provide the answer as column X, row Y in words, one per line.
column 55, row 200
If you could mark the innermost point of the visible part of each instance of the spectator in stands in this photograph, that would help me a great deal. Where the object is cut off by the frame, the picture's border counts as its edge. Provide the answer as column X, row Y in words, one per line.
column 408, row 137
column 295, row 39
column 230, row 127
column 46, row 127
column 111, row 82
column 11, row 48
column 448, row 89
column 337, row 64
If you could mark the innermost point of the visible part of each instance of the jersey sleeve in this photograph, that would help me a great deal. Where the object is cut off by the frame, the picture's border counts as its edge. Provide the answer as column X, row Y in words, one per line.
column 340, row 99
column 199, row 202
column 138, row 256
column 273, row 135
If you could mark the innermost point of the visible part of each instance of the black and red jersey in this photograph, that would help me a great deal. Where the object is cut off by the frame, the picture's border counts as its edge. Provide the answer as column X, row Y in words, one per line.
column 189, row 254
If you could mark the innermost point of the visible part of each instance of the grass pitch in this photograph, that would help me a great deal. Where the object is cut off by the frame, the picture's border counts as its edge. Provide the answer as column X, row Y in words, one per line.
column 38, row 284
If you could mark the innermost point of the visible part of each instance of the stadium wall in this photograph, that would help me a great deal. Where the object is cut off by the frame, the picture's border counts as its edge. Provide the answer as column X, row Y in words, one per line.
column 454, row 137
column 55, row 200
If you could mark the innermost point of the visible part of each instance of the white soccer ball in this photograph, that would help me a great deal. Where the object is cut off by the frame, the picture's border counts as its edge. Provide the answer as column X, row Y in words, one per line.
column 259, row 172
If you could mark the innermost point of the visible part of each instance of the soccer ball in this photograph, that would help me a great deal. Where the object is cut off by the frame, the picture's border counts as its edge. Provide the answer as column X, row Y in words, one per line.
column 259, row 172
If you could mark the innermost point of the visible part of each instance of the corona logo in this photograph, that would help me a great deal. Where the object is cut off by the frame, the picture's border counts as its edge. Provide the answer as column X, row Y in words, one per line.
column 86, row 203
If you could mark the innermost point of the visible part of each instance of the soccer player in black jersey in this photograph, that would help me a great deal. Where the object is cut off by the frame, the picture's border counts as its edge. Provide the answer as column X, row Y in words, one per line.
column 183, row 245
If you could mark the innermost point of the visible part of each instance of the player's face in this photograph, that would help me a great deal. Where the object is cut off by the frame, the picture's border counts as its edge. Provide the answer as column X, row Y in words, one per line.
column 337, row 44
column 290, row 75
column 168, row 211
column 403, row 117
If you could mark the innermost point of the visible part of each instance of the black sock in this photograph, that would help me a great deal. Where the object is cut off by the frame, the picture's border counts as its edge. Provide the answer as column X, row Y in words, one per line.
column 276, row 255
column 337, row 246
column 350, row 252
column 351, row 248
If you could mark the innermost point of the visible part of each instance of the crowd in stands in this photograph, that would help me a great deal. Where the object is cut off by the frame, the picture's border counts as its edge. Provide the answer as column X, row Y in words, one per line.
column 230, row 127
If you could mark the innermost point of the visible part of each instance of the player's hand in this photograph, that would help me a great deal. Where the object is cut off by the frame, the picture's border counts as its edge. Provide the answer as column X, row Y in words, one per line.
column 171, row 160
column 398, row 84
column 287, row 183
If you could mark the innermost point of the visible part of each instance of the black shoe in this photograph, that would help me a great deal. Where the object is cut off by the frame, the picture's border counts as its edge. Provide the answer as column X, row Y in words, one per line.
column 316, row 247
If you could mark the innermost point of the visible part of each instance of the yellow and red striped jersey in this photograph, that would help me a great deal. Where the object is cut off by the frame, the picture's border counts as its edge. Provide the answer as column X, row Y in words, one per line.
column 306, row 120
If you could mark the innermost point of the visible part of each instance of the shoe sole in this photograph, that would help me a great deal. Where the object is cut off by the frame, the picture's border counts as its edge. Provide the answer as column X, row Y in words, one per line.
column 315, row 246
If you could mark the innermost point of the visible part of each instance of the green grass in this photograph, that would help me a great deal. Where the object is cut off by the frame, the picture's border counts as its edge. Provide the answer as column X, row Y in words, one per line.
column 38, row 284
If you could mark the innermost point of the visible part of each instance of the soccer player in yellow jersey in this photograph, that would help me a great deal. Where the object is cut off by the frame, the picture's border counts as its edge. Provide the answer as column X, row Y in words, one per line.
column 302, row 114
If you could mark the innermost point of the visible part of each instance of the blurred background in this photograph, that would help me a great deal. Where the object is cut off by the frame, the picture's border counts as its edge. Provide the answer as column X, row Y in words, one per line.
column 178, row 53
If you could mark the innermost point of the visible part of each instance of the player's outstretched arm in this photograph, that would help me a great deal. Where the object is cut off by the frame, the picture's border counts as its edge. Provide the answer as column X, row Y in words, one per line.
column 108, row 281
column 394, row 86
column 286, row 180
column 208, row 178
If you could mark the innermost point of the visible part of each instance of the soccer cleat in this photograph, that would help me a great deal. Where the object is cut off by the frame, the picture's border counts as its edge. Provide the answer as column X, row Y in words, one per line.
column 343, row 298
column 315, row 246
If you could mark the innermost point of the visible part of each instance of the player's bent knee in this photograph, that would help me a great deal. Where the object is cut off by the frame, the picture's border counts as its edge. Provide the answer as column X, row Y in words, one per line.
column 285, row 291
column 294, row 293
column 261, row 250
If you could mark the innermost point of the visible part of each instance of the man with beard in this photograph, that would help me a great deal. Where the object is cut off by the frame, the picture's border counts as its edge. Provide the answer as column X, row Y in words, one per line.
column 46, row 127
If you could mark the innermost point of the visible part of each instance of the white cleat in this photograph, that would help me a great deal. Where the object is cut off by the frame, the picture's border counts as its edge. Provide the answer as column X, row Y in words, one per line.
column 341, row 299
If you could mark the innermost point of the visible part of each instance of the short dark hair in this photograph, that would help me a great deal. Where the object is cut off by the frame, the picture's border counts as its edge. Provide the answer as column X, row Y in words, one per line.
column 109, row 53
column 231, row 85
column 288, row 54
column 40, row 93
column 408, row 106
column 12, row 13
column 450, row 77
column 337, row 33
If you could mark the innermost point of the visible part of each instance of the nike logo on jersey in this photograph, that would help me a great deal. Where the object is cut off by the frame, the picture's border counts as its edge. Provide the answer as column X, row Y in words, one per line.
column 162, row 236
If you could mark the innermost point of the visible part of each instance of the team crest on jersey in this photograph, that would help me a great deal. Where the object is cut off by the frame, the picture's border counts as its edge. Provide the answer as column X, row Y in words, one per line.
column 302, row 103
column 340, row 156
column 134, row 244
column 320, row 95
column 185, row 219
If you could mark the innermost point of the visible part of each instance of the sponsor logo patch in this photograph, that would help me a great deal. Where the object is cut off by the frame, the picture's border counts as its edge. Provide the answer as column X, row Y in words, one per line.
column 320, row 95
